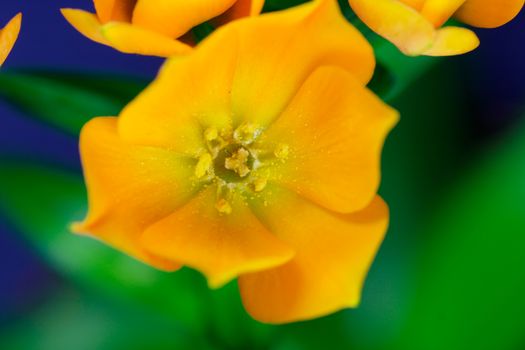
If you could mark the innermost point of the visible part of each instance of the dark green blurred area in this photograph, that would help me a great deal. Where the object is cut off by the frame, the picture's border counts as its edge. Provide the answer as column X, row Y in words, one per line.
column 450, row 274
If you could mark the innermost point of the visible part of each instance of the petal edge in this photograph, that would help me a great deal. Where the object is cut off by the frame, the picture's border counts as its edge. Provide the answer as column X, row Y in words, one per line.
column 334, row 254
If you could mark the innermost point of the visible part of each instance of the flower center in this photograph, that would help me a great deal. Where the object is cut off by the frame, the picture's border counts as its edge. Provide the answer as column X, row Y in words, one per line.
column 233, row 163
column 235, row 160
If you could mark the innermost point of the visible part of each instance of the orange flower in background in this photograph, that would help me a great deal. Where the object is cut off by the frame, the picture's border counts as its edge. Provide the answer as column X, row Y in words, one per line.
column 415, row 26
column 8, row 36
column 257, row 156
column 153, row 27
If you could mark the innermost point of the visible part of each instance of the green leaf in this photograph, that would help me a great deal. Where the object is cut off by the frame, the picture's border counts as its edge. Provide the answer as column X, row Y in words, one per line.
column 471, row 275
column 232, row 326
column 396, row 72
column 278, row 5
column 71, row 319
column 67, row 100
column 202, row 31
column 42, row 202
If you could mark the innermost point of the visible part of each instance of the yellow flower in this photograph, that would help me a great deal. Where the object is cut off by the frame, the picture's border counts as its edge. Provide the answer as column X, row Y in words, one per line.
column 8, row 36
column 257, row 156
column 415, row 26
column 154, row 27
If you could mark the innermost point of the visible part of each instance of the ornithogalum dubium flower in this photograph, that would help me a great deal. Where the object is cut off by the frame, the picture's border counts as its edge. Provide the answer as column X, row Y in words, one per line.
column 416, row 26
column 8, row 36
column 257, row 156
column 155, row 27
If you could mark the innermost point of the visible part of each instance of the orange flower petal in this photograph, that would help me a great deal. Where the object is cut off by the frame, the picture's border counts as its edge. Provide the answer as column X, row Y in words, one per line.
column 253, row 67
column 8, row 36
column 222, row 246
column 334, row 253
column 440, row 11
column 129, row 187
column 114, row 10
column 128, row 38
column 245, row 8
column 335, row 129
column 86, row 23
column 241, row 8
column 191, row 94
column 489, row 13
column 415, row 4
column 279, row 50
column 173, row 18
column 123, row 36
column 397, row 22
column 452, row 41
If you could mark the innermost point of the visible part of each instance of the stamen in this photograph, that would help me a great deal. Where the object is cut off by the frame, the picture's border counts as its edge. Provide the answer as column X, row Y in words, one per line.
column 259, row 184
column 223, row 206
column 238, row 162
column 230, row 157
column 204, row 165
column 211, row 134
column 246, row 133
column 226, row 133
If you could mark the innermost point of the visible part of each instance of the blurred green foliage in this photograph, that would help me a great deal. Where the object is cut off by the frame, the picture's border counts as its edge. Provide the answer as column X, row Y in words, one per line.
column 471, row 271
column 67, row 101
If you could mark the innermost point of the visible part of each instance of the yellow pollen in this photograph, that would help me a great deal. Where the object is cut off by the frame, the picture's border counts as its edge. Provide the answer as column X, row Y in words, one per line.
column 223, row 206
column 259, row 184
column 226, row 133
column 282, row 151
column 238, row 162
column 211, row 134
column 203, row 165
column 246, row 133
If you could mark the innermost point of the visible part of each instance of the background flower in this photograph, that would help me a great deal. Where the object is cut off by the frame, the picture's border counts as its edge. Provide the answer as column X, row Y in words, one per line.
column 152, row 27
column 8, row 36
column 415, row 26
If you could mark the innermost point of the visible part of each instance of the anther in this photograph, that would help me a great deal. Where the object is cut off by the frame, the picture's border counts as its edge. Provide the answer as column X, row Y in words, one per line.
column 211, row 134
column 204, row 165
column 223, row 206
column 246, row 133
column 259, row 184
column 225, row 135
